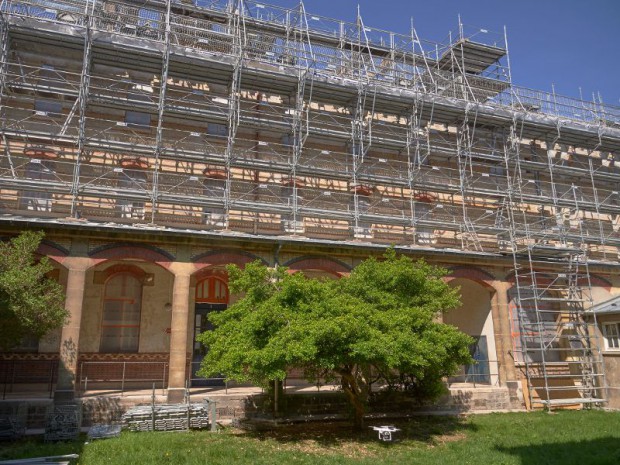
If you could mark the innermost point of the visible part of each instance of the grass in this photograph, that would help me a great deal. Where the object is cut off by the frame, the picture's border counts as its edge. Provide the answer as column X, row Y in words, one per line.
column 578, row 437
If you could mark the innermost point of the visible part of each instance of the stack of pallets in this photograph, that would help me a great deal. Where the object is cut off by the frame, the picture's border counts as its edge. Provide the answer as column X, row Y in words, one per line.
column 167, row 417
column 63, row 423
column 11, row 429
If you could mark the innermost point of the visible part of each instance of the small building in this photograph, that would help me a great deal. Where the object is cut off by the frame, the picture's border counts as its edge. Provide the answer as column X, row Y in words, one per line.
column 608, row 316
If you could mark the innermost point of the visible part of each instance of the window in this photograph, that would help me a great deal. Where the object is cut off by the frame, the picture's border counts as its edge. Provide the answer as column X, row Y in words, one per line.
column 214, row 189
column 28, row 344
column 497, row 170
column 288, row 140
column 47, row 107
column 131, row 180
column 212, row 290
column 40, row 201
column 122, row 302
column 291, row 223
column 216, row 129
column 424, row 235
column 611, row 331
column 49, row 79
column 422, row 159
column 139, row 119
column 363, row 206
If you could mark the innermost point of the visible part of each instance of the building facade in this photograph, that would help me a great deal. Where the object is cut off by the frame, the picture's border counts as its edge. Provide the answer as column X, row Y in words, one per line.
column 157, row 142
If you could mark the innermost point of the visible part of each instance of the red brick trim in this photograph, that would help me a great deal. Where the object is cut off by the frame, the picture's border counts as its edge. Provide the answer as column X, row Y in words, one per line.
column 138, row 272
column 477, row 275
column 329, row 265
column 595, row 281
column 53, row 251
column 29, row 356
column 599, row 281
column 124, row 357
column 209, row 272
column 222, row 258
column 135, row 252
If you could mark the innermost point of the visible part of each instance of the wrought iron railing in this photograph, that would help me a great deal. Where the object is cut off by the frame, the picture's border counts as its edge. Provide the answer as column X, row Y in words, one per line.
column 19, row 376
column 122, row 376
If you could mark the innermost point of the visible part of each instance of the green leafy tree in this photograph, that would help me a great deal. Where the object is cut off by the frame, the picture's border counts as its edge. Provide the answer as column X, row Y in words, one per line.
column 377, row 325
column 31, row 304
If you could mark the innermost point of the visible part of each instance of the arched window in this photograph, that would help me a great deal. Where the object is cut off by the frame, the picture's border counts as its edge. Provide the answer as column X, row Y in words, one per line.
column 212, row 290
column 122, row 302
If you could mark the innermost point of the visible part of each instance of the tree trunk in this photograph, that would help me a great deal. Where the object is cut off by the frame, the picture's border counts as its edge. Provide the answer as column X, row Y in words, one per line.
column 355, row 397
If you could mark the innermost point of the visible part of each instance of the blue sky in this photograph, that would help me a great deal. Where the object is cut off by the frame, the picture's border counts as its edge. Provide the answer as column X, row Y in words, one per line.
column 570, row 43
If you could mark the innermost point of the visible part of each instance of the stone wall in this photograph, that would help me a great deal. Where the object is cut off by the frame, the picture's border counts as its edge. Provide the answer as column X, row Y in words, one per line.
column 109, row 409
column 612, row 373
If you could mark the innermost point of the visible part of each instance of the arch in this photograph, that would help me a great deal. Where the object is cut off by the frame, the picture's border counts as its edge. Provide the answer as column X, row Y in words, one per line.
column 136, row 271
column 474, row 316
column 471, row 273
column 132, row 251
column 47, row 248
column 212, row 290
column 599, row 281
column 220, row 258
column 53, row 251
column 543, row 277
column 328, row 265
column 595, row 280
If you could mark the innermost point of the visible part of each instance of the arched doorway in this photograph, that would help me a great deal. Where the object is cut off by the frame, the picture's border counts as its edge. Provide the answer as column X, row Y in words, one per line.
column 211, row 296
column 474, row 318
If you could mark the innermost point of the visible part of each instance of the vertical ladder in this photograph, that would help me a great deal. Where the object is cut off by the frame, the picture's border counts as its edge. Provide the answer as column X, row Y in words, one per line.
column 552, row 294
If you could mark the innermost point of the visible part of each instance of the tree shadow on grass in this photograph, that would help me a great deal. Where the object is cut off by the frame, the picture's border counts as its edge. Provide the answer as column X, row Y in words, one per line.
column 428, row 430
column 35, row 446
column 601, row 451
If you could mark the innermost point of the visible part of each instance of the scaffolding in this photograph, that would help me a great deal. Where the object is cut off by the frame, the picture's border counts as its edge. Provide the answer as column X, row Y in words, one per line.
column 241, row 117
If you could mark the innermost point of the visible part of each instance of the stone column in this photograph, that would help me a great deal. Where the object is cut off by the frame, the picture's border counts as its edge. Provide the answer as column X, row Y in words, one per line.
column 179, row 331
column 503, row 337
column 70, row 336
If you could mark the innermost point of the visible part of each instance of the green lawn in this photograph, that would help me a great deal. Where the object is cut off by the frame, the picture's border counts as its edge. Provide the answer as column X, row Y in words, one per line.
column 584, row 438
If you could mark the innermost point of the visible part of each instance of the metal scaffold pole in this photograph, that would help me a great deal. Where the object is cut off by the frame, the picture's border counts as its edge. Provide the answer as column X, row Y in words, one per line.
column 513, row 209
column 237, row 29
column 300, row 134
column 417, row 157
column 4, row 56
column 161, row 108
column 82, row 105
column 465, row 135
column 4, row 63
column 300, row 123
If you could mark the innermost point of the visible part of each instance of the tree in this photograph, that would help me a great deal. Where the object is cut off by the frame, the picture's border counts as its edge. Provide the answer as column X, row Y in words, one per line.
column 377, row 325
column 31, row 304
